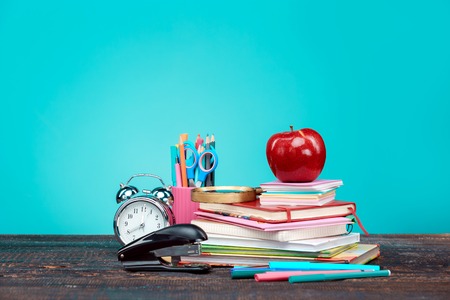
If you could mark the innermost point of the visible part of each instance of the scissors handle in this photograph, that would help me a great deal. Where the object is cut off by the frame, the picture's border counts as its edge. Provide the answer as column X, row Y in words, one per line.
column 191, row 182
column 202, row 171
column 192, row 159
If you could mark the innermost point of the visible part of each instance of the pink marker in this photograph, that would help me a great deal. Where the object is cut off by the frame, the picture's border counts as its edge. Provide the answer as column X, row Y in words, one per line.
column 284, row 275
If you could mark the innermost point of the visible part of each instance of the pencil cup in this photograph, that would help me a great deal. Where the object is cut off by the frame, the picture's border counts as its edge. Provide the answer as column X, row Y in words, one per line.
column 183, row 208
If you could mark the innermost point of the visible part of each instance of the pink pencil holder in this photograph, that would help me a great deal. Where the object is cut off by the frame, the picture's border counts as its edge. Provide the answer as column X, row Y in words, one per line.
column 183, row 208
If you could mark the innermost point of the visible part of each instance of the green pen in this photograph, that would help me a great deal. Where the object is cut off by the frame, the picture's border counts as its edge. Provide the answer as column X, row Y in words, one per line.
column 326, row 277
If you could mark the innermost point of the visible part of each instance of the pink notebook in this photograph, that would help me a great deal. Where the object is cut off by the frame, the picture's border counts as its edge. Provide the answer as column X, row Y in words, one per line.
column 316, row 185
column 272, row 226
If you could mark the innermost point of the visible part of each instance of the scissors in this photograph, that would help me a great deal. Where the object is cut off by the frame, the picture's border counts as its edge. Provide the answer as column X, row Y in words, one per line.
column 194, row 162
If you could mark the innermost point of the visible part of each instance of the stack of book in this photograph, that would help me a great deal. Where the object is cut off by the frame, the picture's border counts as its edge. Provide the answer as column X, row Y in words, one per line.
column 313, row 227
column 316, row 193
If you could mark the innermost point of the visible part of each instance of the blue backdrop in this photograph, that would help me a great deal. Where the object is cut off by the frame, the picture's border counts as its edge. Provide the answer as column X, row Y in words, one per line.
column 95, row 91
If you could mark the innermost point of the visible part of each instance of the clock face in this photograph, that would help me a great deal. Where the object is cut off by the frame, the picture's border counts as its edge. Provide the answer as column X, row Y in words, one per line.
column 137, row 218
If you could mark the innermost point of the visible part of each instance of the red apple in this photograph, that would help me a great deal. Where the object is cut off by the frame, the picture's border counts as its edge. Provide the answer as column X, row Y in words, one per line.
column 296, row 155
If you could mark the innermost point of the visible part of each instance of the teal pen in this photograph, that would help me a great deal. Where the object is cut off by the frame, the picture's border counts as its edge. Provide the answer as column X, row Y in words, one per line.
column 173, row 157
column 304, row 265
column 246, row 273
column 326, row 277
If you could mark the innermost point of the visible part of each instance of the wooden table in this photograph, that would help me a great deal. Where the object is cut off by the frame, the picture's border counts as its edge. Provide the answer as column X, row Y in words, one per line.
column 79, row 267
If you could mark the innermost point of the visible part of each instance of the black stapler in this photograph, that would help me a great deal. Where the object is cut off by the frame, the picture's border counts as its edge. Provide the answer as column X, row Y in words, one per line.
column 147, row 252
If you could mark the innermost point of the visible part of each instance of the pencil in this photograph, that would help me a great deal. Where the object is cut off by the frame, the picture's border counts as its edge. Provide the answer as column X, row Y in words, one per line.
column 208, row 181
column 198, row 142
column 178, row 182
column 213, row 145
column 183, row 161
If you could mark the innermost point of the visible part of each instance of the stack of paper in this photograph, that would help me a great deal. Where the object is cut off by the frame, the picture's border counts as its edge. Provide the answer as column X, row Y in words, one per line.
column 254, row 234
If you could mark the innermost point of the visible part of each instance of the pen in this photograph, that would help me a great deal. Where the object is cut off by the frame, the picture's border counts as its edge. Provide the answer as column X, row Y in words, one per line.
column 320, row 266
column 173, row 161
column 284, row 275
column 337, row 276
column 244, row 273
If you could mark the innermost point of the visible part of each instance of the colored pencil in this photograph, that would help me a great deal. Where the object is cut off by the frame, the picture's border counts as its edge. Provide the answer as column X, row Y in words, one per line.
column 183, row 160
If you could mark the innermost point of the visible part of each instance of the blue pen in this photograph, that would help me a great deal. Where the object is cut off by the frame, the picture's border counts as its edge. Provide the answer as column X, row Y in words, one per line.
column 326, row 277
column 304, row 265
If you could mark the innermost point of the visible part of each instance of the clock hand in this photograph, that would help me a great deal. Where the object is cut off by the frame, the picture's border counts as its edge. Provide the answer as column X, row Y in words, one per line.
column 142, row 225
column 134, row 228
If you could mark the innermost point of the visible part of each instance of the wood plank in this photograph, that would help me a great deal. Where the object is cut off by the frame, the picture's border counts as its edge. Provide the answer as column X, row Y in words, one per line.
column 63, row 266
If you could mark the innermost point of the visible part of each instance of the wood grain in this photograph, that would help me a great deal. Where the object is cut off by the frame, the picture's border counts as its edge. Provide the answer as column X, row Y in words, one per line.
column 79, row 267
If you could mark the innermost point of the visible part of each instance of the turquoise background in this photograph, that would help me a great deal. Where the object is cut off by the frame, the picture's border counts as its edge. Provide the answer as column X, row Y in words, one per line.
column 93, row 92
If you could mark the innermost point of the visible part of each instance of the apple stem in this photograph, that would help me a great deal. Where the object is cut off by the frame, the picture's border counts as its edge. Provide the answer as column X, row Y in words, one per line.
column 292, row 127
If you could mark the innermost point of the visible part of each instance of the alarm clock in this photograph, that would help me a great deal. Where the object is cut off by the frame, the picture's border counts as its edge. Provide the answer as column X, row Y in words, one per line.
column 142, row 212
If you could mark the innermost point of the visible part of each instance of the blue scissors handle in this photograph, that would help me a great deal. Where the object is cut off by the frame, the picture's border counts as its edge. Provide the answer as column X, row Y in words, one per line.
column 191, row 161
column 202, row 171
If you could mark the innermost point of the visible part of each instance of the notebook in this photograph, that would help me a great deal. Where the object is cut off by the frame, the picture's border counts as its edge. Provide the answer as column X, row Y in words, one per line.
column 316, row 185
column 309, row 245
column 250, row 259
column 352, row 254
column 296, row 198
column 273, row 226
column 214, row 227
column 253, row 210
column 361, row 254
column 262, row 252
